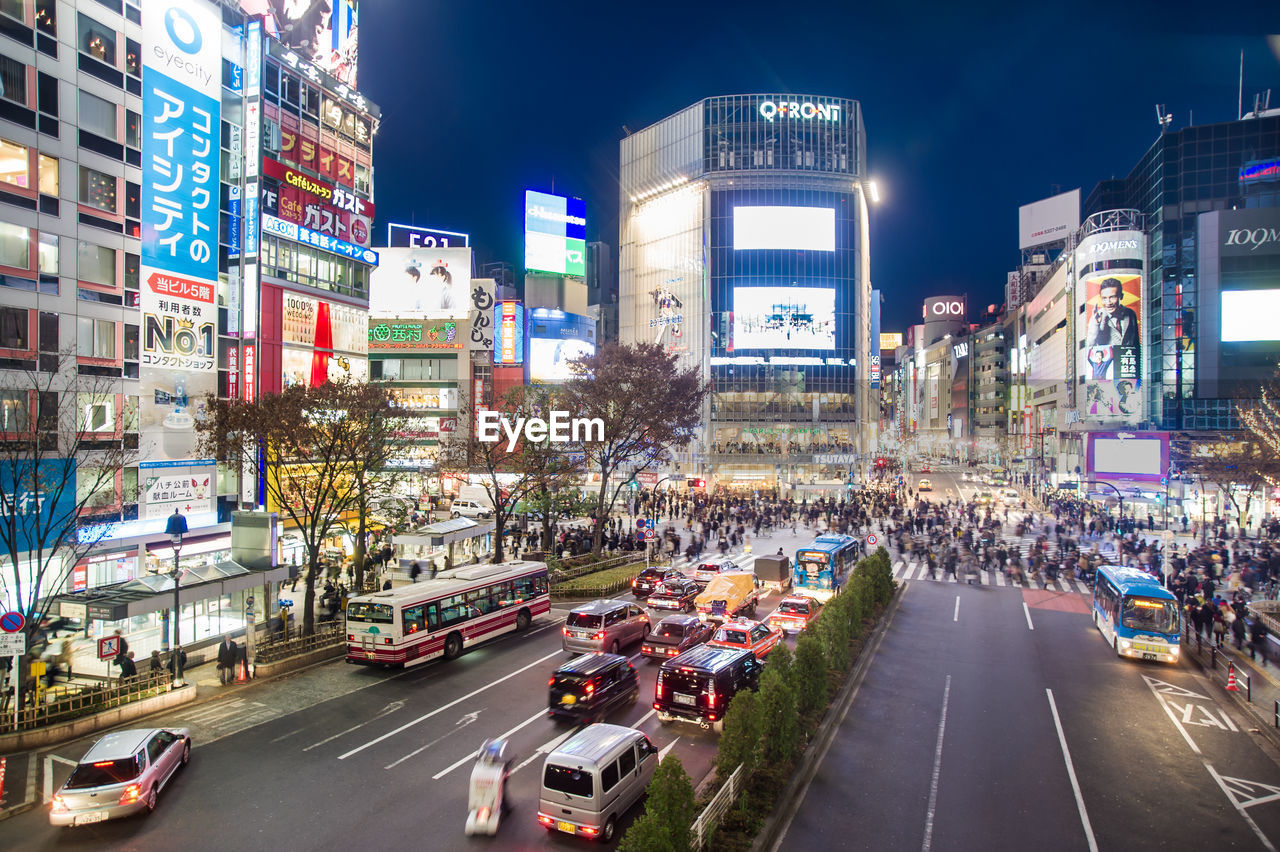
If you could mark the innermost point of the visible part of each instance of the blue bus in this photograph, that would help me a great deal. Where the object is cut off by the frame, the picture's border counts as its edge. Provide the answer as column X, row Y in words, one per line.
column 821, row 568
column 1137, row 615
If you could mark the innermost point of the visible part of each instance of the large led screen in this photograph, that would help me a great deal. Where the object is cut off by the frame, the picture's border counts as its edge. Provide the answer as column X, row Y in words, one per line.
column 555, row 234
column 421, row 282
column 790, row 228
column 1250, row 315
column 323, row 32
column 549, row 359
column 784, row 318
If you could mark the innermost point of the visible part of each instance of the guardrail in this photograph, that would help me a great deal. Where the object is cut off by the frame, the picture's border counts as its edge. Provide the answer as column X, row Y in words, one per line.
column 1216, row 658
column 705, row 825
column 327, row 634
column 68, row 705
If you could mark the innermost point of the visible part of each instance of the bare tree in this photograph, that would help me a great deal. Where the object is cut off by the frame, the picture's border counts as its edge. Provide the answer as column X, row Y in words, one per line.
column 1241, row 470
column 58, row 469
column 649, row 407
column 380, row 439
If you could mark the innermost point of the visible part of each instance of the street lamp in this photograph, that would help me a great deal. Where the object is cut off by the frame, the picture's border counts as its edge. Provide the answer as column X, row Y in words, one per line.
column 176, row 528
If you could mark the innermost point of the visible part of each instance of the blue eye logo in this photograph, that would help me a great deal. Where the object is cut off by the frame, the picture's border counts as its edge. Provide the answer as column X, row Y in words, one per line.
column 182, row 28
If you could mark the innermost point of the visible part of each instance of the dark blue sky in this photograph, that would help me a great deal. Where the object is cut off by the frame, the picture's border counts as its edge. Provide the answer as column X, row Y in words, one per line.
column 971, row 109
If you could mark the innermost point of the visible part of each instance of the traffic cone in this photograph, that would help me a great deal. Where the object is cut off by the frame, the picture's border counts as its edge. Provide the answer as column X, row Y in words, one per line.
column 242, row 673
column 1231, row 678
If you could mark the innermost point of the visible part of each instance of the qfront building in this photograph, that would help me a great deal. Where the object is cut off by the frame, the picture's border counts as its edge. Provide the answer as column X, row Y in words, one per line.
column 743, row 250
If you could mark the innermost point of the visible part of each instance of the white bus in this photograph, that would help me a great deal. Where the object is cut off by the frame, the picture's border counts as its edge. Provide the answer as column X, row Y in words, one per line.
column 439, row 617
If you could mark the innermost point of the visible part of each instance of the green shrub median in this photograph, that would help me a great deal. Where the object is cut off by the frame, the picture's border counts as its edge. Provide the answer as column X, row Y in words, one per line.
column 766, row 732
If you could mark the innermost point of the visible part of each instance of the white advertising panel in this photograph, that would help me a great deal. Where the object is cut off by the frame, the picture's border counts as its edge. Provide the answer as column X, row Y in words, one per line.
column 191, row 488
column 1127, row 456
column 1250, row 315
column 788, row 228
column 784, row 318
column 421, row 282
column 549, row 359
column 1049, row 220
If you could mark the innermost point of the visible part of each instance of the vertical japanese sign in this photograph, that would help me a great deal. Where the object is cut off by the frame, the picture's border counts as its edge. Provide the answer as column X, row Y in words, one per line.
column 182, row 77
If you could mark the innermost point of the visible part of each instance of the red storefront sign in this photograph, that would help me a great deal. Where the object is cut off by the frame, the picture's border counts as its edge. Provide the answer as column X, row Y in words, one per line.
column 250, row 371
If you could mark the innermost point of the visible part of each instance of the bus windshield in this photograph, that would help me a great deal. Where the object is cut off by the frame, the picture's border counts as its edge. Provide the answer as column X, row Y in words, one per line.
column 370, row 613
column 1155, row 616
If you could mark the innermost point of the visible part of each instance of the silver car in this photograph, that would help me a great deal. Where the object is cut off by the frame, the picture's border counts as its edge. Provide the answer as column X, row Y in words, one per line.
column 120, row 775
column 604, row 625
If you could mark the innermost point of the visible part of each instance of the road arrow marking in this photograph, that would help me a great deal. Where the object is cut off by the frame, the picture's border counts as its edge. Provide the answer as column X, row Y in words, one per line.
column 458, row 726
column 545, row 748
column 1164, row 688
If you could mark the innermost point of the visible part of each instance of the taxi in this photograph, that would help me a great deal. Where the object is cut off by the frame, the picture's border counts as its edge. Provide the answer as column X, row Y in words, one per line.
column 925, row 485
column 984, row 500
column 744, row 634
column 793, row 614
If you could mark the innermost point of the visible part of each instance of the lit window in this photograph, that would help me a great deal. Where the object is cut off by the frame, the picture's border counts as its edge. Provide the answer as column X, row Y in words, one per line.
column 97, row 40
column 98, row 190
column 47, row 254
column 96, row 338
column 13, row 411
column 48, row 175
column 15, row 246
column 95, row 264
column 14, row 168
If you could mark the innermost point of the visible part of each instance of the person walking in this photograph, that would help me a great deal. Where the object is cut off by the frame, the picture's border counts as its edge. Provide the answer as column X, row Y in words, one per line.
column 1258, row 639
column 156, row 666
column 227, row 657
column 128, row 668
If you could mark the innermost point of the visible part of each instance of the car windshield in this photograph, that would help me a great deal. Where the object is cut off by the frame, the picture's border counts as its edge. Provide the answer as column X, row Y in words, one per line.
column 567, row 779
column 585, row 619
column 103, row 772
column 794, row 607
column 1148, row 614
column 736, row 637
column 369, row 612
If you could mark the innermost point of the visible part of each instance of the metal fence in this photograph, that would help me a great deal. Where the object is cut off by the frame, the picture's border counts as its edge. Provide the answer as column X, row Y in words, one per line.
column 328, row 634
column 1221, row 667
column 705, row 825
column 64, row 703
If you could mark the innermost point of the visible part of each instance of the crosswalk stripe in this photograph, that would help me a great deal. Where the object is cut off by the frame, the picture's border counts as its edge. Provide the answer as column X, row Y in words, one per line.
column 897, row 568
column 1000, row 580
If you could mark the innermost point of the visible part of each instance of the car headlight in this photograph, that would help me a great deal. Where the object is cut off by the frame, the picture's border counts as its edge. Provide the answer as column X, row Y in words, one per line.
column 1125, row 643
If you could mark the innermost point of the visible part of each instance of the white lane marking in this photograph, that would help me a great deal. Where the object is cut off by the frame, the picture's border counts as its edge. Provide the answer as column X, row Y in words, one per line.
column 469, row 695
column 1031, row 583
column 459, row 725
column 1084, row 590
column 1062, row 581
column 1227, row 718
column 1071, row 773
column 1027, row 613
column 663, row 754
column 443, row 772
column 286, row 736
column 48, row 772
column 897, row 568
column 956, row 616
column 937, row 770
column 1240, row 808
column 1169, row 710
column 545, row 748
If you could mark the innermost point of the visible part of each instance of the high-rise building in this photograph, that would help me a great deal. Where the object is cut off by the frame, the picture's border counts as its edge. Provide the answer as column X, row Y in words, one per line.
column 743, row 250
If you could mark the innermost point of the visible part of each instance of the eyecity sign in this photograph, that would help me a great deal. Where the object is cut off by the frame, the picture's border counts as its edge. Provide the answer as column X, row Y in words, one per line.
column 803, row 110
column 491, row 425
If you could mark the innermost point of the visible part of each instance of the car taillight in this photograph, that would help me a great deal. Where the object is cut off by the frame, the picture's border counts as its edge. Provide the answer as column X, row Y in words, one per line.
column 659, row 687
column 551, row 681
column 545, row 820
column 633, row 584
column 711, row 694
column 591, row 689
column 59, row 806
column 130, row 794
column 482, row 815
column 565, row 631
column 590, row 832
column 599, row 637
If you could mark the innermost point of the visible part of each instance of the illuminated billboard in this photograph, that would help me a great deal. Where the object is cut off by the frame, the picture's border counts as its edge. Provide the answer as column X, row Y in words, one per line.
column 508, row 330
column 784, row 318
column 1049, row 220
column 890, row 340
column 1135, row 456
column 787, row 228
column 555, row 339
column 1250, row 315
column 323, row 32
column 1109, row 329
column 421, row 282
column 555, row 234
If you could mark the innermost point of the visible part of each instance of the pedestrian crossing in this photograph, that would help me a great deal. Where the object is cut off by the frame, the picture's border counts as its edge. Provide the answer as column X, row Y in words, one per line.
column 219, row 719
column 920, row 571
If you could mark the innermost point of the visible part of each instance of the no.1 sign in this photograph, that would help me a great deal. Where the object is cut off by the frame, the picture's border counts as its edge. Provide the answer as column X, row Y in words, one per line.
column 12, row 622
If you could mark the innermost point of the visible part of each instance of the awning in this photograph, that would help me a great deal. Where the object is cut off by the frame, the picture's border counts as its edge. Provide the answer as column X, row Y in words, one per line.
column 443, row 533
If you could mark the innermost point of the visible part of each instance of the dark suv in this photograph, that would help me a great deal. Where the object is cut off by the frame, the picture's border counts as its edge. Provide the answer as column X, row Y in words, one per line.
column 698, row 685
column 677, row 594
column 587, row 688
column 648, row 579
column 674, row 635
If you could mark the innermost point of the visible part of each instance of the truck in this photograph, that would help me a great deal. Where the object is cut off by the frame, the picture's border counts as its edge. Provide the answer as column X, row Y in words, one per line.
column 728, row 596
column 774, row 572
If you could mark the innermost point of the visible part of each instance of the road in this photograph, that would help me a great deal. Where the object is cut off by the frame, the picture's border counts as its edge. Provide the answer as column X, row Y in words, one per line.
column 343, row 756
column 996, row 718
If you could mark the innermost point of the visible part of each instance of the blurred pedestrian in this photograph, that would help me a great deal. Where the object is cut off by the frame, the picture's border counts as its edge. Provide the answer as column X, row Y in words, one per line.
column 227, row 656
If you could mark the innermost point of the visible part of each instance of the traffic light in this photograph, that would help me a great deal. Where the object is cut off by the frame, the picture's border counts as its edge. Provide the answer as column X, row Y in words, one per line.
column 635, row 486
column 697, row 483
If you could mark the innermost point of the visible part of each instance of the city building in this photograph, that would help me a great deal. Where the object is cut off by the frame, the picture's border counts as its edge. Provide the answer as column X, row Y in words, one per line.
column 744, row 251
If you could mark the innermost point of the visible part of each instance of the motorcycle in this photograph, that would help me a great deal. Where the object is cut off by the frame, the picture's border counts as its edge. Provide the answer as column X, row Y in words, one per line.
column 488, row 783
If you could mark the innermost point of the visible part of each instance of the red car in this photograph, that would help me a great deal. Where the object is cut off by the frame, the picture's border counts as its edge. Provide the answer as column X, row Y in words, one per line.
column 743, row 633
column 926, row 469
column 793, row 613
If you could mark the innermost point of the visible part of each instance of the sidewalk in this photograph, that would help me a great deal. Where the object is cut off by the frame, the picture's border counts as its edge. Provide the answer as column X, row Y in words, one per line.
column 1257, row 682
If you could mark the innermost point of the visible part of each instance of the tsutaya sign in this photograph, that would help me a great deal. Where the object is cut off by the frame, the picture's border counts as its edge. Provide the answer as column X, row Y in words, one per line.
column 806, row 110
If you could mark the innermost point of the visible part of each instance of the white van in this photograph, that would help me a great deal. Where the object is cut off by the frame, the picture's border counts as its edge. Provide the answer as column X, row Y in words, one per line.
column 593, row 778
column 469, row 509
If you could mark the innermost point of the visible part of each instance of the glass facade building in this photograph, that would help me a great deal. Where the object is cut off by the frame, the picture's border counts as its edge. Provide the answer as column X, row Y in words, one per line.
column 1185, row 175
column 744, row 251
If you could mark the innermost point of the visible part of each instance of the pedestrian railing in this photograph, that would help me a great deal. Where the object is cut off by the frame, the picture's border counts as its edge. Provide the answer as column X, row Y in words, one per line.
column 1221, row 667
column 327, row 634
column 593, row 567
column 705, row 825
column 50, row 708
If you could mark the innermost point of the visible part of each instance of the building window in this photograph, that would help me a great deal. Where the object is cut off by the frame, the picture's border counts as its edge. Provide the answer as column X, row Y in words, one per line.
column 15, row 246
column 13, row 328
column 97, row 40
column 132, row 57
column 47, row 17
column 47, row 254
column 97, row 115
column 13, row 80
column 14, row 416
column 14, row 166
column 98, row 190
column 95, row 264
column 132, row 129
column 96, row 338
column 12, row 8
column 131, row 265
column 48, row 332
column 48, row 175
column 47, row 93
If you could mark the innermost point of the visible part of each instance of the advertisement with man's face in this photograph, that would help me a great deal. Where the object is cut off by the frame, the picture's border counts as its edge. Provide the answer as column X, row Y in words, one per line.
column 421, row 282
column 1112, row 353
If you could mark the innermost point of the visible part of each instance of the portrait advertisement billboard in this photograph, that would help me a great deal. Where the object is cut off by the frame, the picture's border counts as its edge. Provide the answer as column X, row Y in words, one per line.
column 421, row 282
column 324, row 33
column 784, row 318
column 555, row 234
column 181, row 127
column 1109, row 328
column 555, row 339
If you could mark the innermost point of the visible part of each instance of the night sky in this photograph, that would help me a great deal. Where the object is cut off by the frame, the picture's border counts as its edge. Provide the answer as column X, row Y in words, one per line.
column 971, row 109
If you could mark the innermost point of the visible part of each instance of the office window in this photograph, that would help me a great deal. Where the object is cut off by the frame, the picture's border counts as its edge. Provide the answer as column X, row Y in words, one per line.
column 97, row 115
column 132, row 129
column 47, row 93
column 98, row 190
column 13, row 80
column 95, row 338
column 14, row 168
column 12, row 8
column 47, row 254
column 95, row 264
column 97, row 40
column 48, row 332
column 132, row 57
column 131, row 264
column 48, row 175
column 13, row 328
column 15, row 246
column 47, row 17
column 14, row 414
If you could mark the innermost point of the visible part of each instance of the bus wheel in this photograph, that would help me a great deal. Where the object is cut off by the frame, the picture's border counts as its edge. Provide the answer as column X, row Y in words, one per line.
column 522, row 620
column 452, row 646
